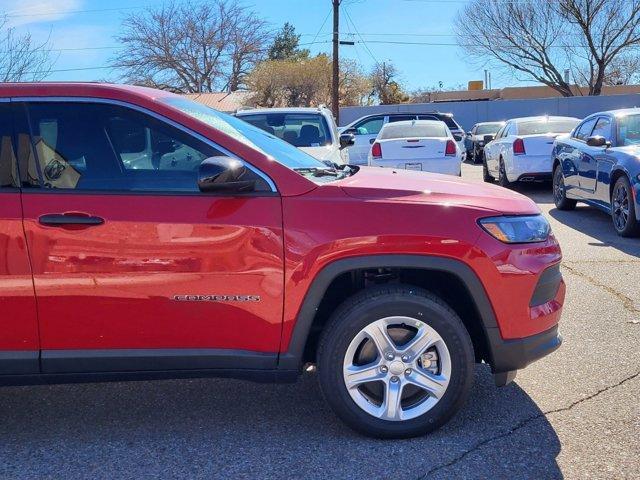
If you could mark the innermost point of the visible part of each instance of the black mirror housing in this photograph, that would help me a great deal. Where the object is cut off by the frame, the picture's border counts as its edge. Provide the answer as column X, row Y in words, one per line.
column 597, row 141
column 488, row 138
column 347, row 139
column 224, row 174
column 457, row 137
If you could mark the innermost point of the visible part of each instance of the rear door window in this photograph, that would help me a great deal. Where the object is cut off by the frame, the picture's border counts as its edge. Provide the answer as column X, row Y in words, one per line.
column 8, row 168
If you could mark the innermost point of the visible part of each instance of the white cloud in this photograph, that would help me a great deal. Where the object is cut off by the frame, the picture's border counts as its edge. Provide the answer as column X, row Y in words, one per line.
column 25, row 12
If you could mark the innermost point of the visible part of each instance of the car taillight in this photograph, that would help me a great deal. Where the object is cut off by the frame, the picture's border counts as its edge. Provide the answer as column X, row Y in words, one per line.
column 450, row 150
column 518, row 147
column 376, row 150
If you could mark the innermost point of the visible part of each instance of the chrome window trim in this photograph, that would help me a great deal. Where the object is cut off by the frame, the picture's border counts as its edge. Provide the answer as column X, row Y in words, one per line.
column 5, row 99
column 157, row 116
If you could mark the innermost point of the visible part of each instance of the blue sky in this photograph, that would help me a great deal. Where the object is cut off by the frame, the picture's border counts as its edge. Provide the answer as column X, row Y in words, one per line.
column 82, row 32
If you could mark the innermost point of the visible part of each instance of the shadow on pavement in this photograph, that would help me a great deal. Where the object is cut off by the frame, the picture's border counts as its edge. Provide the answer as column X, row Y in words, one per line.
column 588, row 220
column 232, row 429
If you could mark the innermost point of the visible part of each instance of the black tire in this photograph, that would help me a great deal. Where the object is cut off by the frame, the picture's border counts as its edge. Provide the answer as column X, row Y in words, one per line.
column 623, row 211
column 369, row 306
column 503, row 181
column 560, row 192
column 486, row 176
column 477, row 156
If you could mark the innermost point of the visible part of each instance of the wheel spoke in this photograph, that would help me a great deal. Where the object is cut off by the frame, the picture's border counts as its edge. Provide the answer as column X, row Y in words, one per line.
column 377, row 332
column 357, row 375
column 436, row 385
column 391, row 408
column 418, row 344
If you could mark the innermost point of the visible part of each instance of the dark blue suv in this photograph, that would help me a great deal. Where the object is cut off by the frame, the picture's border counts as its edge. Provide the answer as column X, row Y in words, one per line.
column 599, row 164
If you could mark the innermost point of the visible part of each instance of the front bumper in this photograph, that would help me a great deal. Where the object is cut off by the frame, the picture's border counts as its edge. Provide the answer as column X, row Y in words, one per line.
column 511, row 355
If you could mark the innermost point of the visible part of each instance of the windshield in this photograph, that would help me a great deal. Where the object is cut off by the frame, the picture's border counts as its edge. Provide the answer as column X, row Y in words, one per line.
column 629, row 130
column 538, row 127
column 270, row 145
column 413, row 130
column 488, row 129
column 298, row 129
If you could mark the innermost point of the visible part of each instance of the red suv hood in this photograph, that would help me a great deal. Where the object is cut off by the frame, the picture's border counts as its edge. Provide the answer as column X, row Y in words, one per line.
column 406, row 186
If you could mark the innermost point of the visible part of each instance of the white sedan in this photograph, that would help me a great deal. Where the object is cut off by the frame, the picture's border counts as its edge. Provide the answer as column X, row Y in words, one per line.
column 521, row 150
column 423, row 145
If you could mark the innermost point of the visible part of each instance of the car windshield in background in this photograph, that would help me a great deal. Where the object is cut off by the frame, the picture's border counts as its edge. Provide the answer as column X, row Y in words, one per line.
column 488, row 129
column 629, row 130
column 298, row 129
column 413, row 130
column 539, row 127
column 246, row 133
column 450, row 122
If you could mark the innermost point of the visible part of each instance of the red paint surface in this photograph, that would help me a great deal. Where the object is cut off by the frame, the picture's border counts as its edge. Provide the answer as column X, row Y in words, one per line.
column 111, row 286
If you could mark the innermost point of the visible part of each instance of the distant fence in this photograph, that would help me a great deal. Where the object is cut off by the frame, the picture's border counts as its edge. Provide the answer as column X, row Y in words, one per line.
column 469, row 113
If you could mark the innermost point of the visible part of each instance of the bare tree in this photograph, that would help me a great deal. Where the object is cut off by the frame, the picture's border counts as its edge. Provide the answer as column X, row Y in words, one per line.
column 609, row 28
column 539, row 40
column 190, row 47
column 385, row 83
column 22, row 59
column 522, row 36
column 247, row 46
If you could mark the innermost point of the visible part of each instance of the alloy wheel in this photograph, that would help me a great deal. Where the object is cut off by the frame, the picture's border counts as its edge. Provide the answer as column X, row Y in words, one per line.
column 397, row 368
column 620, row 207
column 558, row 186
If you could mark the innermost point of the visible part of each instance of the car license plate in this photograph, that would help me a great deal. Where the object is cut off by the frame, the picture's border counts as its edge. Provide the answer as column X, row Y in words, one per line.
column 413, row 166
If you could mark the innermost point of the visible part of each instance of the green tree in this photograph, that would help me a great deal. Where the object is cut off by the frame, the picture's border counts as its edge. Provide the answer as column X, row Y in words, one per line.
column 286, row 45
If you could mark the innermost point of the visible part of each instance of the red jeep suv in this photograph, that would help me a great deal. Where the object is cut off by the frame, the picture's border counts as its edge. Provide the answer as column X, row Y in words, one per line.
column 147, row 236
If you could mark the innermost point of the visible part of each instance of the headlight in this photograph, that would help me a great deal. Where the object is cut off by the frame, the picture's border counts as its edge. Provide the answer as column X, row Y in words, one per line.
column 517, row 229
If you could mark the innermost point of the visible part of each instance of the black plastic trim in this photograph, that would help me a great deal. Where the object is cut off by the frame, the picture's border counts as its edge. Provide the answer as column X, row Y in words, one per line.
column 537, row 176
column 292, row 359
column 19, row 362
column 547, row 286
column 509, row 355
column 137, row 360
column 262, row 376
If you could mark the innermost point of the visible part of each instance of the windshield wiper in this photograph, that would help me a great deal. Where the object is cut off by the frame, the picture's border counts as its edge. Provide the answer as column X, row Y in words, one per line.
column 318, row 172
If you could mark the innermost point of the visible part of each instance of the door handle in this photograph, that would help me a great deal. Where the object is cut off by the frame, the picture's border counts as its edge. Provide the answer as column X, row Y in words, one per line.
column 62, row 219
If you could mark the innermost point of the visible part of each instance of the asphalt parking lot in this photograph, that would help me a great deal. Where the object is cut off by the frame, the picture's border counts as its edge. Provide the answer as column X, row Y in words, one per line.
column 574, row 414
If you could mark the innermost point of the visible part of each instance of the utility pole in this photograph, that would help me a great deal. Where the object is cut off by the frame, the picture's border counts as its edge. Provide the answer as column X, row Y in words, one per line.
column 335, row 97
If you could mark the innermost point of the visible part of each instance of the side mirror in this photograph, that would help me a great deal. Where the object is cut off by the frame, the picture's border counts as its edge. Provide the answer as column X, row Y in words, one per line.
column 347, row 139
column 468, row 134
column 457, row 137
column 488, row 138
column 224, row 174
column 597, row 141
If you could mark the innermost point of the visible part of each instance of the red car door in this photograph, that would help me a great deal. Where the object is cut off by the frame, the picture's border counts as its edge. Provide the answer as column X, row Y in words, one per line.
column 19, row 346
column 134, row 268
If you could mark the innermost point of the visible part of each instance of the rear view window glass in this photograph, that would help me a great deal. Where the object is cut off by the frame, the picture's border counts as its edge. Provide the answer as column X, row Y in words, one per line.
column 298, row 129
column 488, row 129
column 414, row 130
column 546, row 126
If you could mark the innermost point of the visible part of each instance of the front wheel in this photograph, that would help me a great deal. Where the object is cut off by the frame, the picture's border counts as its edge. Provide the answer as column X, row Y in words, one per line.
column 395, row 362
column 623, row 212
column 560, row 191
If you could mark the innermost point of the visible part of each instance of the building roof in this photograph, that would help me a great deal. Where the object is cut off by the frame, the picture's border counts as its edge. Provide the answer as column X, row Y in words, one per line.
column 222, row 101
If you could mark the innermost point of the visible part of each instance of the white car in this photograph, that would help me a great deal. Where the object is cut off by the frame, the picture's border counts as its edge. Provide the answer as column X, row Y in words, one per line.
column 521, row 150
column 313, row 130
column 366, row 129
column 423, row 145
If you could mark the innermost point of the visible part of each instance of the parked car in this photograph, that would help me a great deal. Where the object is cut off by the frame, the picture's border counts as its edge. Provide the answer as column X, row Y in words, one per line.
column 313, row 130
column 476, row 138
column 423, row 145
column 366, row 129
column 231, row 265
column 599, row 164
column 521, row 150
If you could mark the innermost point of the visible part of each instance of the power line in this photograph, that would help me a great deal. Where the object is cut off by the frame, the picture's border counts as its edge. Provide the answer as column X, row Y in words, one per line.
column 355, row 29
column 322, row 26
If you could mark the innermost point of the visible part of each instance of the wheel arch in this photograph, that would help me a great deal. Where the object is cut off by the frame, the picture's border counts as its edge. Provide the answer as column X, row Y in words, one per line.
column 616, row 173
column 483, row 322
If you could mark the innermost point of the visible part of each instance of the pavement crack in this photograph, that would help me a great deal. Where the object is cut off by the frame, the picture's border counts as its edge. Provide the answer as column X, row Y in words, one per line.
column 523, row 423
column 627, row 302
